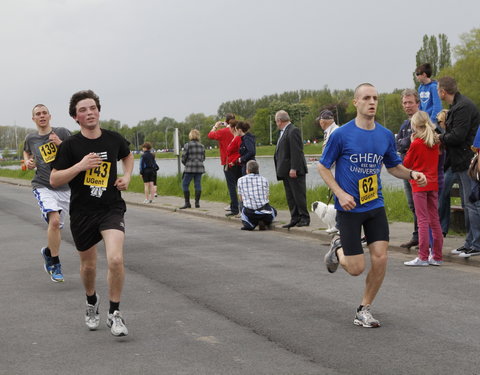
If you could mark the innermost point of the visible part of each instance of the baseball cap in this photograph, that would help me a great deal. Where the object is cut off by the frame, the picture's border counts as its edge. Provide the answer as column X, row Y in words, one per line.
column 326, row 115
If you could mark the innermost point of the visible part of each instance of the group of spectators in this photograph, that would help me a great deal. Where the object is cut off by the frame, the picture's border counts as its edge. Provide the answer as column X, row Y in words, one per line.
column 439, row 143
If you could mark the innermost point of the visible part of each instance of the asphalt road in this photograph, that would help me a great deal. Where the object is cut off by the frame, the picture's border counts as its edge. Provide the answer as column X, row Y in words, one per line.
column 203, row 297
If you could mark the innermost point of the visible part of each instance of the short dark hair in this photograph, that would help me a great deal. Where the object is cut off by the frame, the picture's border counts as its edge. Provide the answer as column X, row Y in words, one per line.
column 448, row 84
column 243, row 126
column 228, row 117
column 39, row 105
column 252, row 166
column 79, row 96
column 147, row 145
column 411, row 92
column 365, row 84
column 424, row 68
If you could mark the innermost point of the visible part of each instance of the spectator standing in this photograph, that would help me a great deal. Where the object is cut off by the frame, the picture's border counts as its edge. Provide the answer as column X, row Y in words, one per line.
column 193, row 157
column 233, row 169
column 39, row 151
column 247, row 146
column 422, row 156
column 148, row 171
column 327, row 123
column 253, row 190
column 410, row 104
column 428, row 91
column 223, row 133
column 461, row 125
column 291, row 169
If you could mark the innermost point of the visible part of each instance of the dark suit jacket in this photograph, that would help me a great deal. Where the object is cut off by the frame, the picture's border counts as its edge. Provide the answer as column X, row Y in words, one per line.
column 289, row 153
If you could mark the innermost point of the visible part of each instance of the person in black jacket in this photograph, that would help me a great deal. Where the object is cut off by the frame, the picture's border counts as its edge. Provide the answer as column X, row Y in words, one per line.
column 461, row 126
column 148, row 170
column 247, row 147
column 291, row 168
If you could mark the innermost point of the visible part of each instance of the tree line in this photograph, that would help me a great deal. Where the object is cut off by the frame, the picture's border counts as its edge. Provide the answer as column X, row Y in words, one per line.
column 303, row 105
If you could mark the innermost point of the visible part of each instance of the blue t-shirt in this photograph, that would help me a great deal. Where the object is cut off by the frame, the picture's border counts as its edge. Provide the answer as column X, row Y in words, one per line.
column 358, row 155
column 429, row 100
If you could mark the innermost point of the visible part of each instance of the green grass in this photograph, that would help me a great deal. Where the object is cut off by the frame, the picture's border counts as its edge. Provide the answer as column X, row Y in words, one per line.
column 214, row 189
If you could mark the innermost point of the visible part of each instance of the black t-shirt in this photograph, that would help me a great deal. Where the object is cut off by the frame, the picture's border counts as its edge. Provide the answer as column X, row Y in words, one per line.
column 93, row 190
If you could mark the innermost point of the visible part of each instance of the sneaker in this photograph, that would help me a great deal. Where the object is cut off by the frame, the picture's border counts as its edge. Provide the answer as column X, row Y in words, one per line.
column 417, row 262
column 92, row 317
column 434, row 262
column 364, row 318
column 412, row 243
column 116, row 323
column 146, row 201
column 227, row 208
column 56, row 273
column 460, row 250
column 469, row 253
column 47, row 261
column 331, row 259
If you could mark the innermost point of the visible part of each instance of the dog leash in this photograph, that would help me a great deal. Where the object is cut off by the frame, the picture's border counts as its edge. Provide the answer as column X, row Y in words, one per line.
column 330, row 196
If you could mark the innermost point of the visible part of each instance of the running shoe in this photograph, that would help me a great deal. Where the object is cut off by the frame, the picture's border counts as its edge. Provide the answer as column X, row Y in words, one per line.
column 460, row 250
column 417, row 262
column 364, row 318
column 116, row 323
column 92, row 317
column 469, row 253
column 331, row 259
column 56, row 273
column 47, row 261
column 434, row 262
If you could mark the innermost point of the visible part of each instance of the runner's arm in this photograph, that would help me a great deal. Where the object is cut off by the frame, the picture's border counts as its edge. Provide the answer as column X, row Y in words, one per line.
column 346, row 200
column 400, row 171
column 122, row 182
column 60, row 177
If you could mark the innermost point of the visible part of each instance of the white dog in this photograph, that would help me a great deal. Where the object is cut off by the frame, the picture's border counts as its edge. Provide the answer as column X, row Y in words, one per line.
column 327, row 214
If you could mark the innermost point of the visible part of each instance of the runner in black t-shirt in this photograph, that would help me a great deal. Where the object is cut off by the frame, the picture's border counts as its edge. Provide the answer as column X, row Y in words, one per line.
column 87, row 161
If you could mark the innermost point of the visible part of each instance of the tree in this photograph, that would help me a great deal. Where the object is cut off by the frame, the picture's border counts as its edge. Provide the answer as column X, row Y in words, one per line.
column 466, row 69
column 434, row 51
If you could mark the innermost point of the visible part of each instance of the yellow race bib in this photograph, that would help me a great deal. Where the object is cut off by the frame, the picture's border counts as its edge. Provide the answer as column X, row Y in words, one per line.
column 368, row 188
column 48, row 152
column 98, row 176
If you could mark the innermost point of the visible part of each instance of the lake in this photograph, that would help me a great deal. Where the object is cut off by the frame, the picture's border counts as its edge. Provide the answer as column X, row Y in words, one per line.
column 169, row 167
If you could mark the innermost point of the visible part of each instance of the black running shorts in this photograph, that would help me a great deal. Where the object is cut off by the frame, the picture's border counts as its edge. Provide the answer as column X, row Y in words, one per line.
column 375, row 228
column 86, row 229
column 149, row 175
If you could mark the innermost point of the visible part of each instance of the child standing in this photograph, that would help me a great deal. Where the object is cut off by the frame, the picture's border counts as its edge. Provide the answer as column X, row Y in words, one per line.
column 422, row 156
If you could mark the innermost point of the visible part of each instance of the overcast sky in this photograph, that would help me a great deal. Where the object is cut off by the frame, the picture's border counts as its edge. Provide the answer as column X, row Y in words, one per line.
column 156, row 58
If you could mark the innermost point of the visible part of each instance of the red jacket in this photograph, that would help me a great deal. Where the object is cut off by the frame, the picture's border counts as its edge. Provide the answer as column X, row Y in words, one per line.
column 224, row 137
column 233, row 151
column 422, row 158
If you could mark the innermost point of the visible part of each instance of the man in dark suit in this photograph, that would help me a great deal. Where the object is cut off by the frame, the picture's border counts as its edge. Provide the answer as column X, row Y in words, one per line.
column 291, row 168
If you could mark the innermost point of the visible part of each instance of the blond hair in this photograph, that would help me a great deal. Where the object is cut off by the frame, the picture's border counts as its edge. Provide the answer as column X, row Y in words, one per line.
column 194, row 135
column 423, row 127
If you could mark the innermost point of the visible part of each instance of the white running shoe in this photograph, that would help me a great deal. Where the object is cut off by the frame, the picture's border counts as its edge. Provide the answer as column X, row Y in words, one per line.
column 116, row 323
column 92, row 317
column 417, row 262
column 365, row 318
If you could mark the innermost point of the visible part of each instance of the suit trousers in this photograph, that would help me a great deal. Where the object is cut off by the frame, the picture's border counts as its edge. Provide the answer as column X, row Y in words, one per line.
column 296, row 193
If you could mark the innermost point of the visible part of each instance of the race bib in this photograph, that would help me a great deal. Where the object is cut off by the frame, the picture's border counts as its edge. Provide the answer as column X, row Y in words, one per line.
column 98, row 176
column 368, row 188
column 48, row 152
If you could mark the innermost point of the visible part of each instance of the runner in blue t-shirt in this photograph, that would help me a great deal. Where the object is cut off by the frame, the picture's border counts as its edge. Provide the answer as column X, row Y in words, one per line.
column 358, row 149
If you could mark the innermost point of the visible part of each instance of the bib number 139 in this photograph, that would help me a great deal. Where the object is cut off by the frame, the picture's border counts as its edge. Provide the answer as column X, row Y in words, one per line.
column 368, row 188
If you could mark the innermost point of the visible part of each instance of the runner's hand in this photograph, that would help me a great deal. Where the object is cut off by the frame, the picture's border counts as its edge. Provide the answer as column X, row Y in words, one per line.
column 89, row 161
column 122, row 183
column 346, row 201
column 54, row 138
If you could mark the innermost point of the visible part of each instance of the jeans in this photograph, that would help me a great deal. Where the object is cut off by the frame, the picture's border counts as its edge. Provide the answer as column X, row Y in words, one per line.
column 197, row 178
column 426, row 207
column 232, row 174
column 444, row 199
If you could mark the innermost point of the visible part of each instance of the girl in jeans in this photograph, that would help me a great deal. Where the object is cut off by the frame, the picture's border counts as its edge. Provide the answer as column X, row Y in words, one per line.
column 422, row 156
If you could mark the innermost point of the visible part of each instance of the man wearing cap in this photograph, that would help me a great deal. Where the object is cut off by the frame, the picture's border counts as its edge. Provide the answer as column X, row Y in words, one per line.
column 327, row 123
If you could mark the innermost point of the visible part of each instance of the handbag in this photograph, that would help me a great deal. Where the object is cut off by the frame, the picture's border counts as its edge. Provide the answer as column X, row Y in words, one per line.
column 473, row 169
